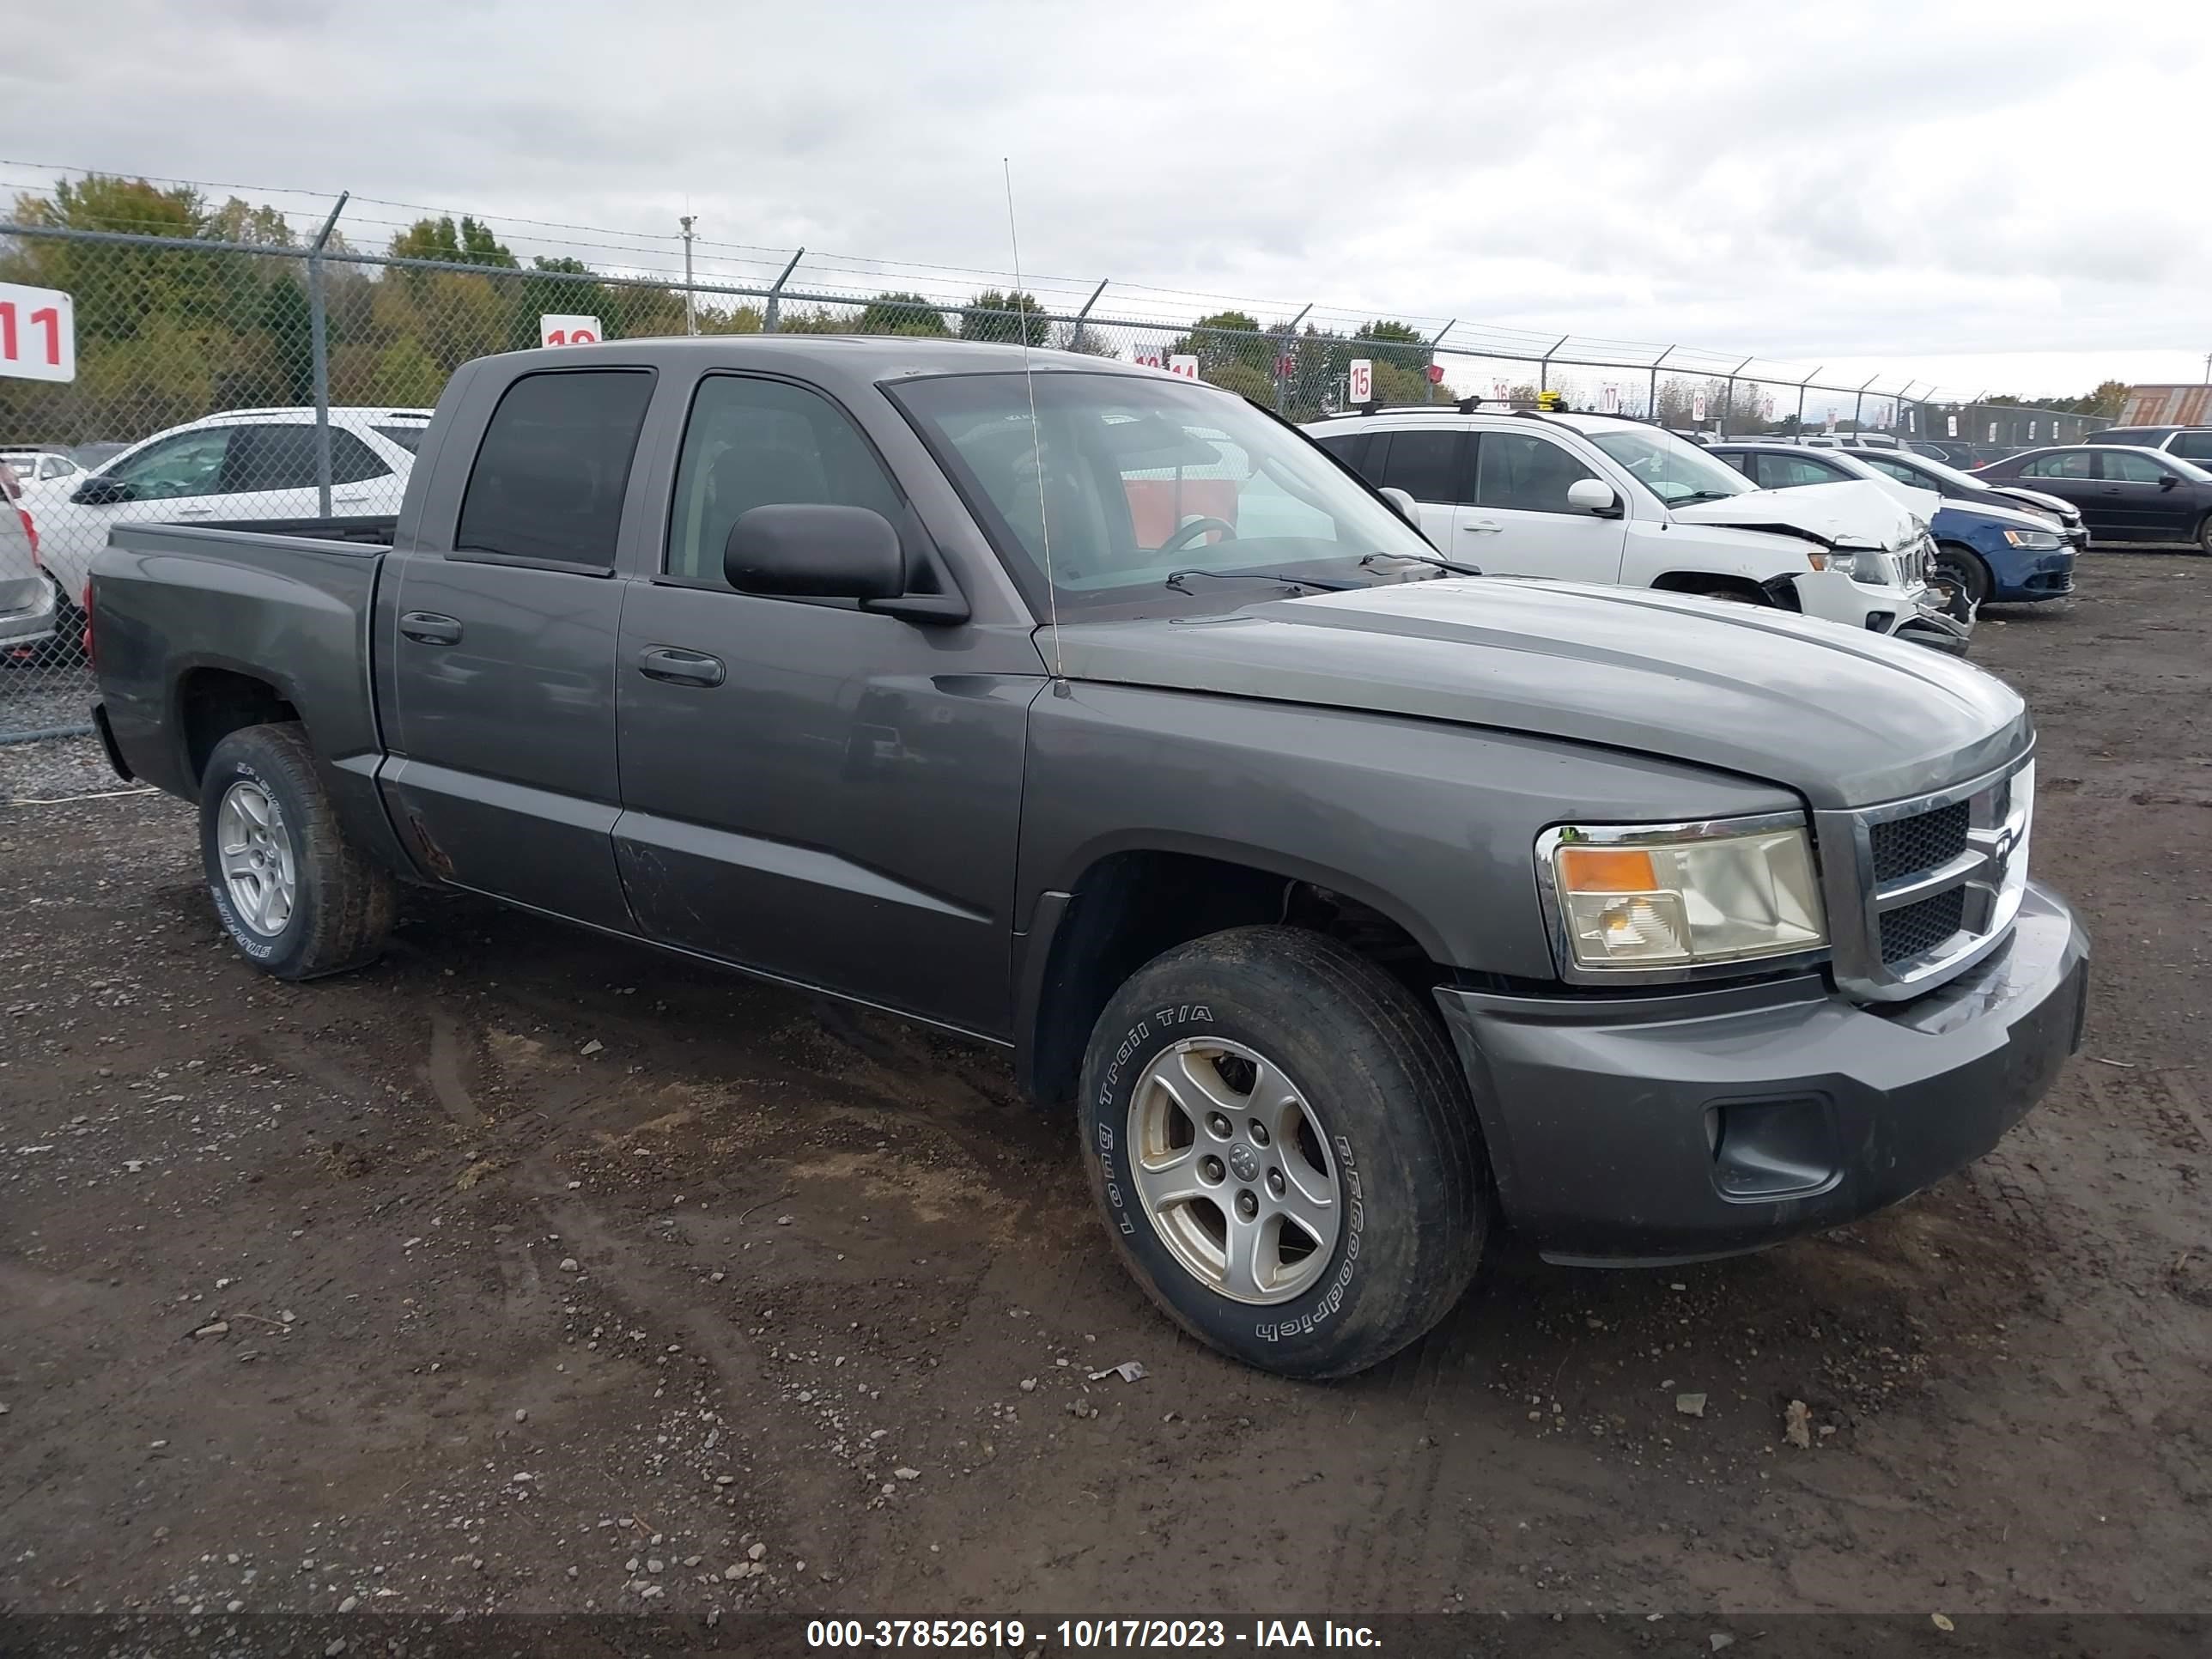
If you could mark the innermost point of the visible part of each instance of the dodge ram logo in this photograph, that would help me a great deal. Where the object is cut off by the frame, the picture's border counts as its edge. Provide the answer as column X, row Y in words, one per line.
column 1244, row 1160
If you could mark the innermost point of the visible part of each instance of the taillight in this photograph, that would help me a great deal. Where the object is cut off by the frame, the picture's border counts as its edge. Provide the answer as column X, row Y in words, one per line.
column 88, row 656
column 31, row 531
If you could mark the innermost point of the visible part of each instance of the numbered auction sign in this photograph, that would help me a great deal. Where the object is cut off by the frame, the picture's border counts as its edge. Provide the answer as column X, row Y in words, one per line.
column 1149, row 357
column 1362, row 381
column 38, row 333
column 570, row 331
column 1697, row 406
column 1184, row 365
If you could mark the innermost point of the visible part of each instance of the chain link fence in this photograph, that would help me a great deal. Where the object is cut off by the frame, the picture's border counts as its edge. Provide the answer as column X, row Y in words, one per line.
column 236, row 366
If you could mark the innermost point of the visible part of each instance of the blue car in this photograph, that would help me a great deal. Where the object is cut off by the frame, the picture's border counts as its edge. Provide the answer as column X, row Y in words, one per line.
column 1985, row 554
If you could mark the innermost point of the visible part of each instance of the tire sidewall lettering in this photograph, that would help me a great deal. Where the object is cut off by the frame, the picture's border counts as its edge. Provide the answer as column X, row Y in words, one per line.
column 1307, row 1315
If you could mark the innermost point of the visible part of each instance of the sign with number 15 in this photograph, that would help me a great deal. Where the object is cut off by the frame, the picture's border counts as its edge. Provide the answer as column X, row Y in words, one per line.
column 38, row 333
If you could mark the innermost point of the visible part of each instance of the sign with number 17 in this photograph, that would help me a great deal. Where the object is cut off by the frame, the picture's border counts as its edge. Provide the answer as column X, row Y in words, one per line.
column 38, row 333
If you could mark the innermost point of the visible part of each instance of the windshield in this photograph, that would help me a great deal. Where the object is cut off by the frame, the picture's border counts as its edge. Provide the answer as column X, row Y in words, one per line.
column 1669, row 468
column 1137, row 476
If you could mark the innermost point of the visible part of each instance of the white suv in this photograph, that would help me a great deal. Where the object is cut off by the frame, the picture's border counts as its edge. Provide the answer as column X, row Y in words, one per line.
column 1596, row 498
column 242, row 464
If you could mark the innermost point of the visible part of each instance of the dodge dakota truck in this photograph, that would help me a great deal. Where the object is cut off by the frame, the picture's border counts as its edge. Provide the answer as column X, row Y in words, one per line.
column 1351, row 905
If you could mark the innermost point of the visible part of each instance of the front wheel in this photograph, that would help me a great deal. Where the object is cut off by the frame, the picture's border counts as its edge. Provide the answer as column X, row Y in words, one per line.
column 1964, row 579
column 294, row 893
column 1282, row 1144
column 2204, row 534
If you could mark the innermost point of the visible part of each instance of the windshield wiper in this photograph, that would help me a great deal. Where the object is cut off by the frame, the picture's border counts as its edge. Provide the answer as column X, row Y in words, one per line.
column 1174, row 579
column 1370, row 562
column 1703, row 495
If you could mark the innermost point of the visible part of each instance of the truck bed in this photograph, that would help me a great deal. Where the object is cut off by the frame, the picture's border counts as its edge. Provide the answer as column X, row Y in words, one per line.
column 277, row 610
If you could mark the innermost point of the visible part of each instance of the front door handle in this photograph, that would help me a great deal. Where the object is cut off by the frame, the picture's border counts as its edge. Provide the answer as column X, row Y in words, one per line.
column 679, row 666
column 1482, row 527
column 431, row 627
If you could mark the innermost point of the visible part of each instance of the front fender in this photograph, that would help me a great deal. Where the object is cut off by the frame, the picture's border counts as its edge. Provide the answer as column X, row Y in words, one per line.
column 1431, row 824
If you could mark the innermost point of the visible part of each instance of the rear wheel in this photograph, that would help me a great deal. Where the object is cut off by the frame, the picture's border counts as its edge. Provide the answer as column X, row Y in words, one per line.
column 298, row 898
column 1963, row 578
column 1282, row 1145
column 2204, row 534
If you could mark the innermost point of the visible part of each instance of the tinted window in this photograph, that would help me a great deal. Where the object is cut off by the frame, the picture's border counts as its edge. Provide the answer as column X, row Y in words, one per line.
column 1425, row 465
column 1898, row 469
column 2131, row 468
column 2191, row 445
column 2060, row 464
column 1521, row 471
column 1790, row 472
column 548, row 482
column 283, row 457
column 760, row 443
column 1346, row 446
column 409, row 438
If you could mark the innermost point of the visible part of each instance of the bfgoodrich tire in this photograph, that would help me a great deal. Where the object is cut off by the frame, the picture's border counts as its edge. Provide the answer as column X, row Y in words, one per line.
column 296, row 896
column 1281, row 1143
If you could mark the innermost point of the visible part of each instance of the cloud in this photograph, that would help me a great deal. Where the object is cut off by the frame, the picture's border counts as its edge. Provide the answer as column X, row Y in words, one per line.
column 1797, row 182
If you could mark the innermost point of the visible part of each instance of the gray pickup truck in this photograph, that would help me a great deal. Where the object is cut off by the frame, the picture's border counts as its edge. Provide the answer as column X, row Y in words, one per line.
column 1353, row 907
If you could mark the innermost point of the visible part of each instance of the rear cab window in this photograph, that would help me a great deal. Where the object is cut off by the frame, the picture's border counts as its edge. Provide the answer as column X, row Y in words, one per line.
column 550, row 477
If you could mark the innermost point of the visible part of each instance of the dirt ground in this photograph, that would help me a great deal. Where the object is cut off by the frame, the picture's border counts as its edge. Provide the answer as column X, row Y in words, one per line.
column 529, row 1273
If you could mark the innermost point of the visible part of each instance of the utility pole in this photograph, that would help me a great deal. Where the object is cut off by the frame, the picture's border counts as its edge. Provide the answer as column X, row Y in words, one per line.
column 691, row 296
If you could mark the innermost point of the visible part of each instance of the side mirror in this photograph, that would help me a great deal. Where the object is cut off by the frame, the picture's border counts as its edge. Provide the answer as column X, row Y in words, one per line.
column 1402, row 504
column 810, row 550
column 2168, row 481
column 101, row 492
column 1594, row 495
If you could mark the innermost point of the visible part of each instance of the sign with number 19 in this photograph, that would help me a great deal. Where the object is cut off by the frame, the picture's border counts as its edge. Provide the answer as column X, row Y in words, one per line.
column 38, row 333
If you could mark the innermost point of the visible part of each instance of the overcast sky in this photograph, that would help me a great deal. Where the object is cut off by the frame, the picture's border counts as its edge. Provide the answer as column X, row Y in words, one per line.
column 1995, row 197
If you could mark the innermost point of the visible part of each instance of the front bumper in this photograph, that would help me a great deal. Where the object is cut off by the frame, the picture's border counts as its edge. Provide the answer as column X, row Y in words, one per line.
column 1672, row 1128
column 1909, row 611
column 2040, row 576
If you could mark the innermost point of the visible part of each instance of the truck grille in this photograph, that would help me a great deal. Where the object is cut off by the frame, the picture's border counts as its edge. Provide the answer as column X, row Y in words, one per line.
column 1904, row 847
column 1919, row 891
column 1920, row 927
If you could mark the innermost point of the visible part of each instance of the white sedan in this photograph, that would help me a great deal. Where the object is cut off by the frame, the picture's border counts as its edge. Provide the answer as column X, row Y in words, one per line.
column 254, row 463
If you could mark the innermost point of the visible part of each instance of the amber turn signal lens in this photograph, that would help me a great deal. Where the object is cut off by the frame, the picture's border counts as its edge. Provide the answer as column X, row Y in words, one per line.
column 1607, row 869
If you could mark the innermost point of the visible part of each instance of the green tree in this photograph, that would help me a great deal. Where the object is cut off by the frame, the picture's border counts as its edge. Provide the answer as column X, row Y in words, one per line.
column 561, row 286
column 901, row 313
column 1009, row 318
column 1227, row 338
column 468, row 243
column 1400, row 344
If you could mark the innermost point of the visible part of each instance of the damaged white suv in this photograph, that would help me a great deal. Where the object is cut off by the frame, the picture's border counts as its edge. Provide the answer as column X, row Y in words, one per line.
column 1599, row 498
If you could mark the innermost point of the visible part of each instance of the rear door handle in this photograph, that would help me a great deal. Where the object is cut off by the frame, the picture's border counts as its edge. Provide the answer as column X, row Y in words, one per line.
column 1482, row 527
column 679, row 666
column 430, row 628
column 196, row 513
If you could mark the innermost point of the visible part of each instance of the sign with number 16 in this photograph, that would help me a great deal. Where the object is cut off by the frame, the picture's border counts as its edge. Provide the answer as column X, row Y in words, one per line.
column 38, row 333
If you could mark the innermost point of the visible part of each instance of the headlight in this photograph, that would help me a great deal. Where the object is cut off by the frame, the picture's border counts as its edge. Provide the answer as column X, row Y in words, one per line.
column 1683, row 896
column 1842, row 559
column 2036, row 541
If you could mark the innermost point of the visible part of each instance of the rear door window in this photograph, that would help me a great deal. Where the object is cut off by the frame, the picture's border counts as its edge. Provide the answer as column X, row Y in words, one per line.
column 282, row 457
column 1428, row 466
column 2060, row 464
column 548, row 484
column 2191, row 447
column 188, row 464
column 409, row 438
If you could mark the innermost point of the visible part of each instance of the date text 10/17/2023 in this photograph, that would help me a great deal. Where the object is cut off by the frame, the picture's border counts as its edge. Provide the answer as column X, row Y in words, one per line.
column 1085, row 1634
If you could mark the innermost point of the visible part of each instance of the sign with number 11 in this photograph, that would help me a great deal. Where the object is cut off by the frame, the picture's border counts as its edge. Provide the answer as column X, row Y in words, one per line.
column 38, row 333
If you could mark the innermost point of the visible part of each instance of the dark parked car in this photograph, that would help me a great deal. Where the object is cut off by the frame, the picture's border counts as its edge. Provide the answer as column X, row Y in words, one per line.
column 2190, row 443
column 1971, row 489
column 1343, row 908
column 1983, row 552
column 2124, row 494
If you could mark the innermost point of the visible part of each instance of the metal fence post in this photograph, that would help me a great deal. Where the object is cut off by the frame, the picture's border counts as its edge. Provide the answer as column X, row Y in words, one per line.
column 1801, row 385
column 318, row 349
column 1653, row 411
column 1075, row 335
column 1544, row 365
column 1858, row 407
column 690, row 295
column 775, row 318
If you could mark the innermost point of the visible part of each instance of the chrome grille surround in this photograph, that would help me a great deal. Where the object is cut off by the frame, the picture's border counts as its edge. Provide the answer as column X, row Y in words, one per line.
column 1989, row 876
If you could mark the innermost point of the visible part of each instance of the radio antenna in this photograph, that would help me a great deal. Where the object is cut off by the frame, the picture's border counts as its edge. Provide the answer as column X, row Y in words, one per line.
column 1018, row 305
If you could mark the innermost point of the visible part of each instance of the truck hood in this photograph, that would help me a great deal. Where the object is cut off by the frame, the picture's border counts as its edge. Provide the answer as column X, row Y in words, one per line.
column 1859, row 512
column 1845, row 718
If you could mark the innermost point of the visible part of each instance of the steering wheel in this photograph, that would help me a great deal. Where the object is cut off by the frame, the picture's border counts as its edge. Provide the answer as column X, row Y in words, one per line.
column 1194, row 530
